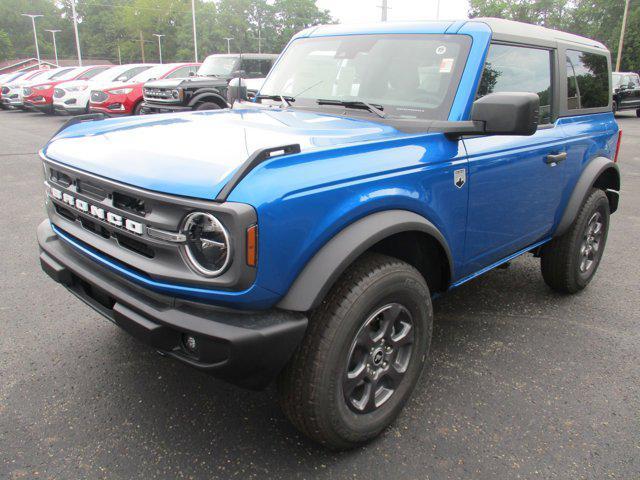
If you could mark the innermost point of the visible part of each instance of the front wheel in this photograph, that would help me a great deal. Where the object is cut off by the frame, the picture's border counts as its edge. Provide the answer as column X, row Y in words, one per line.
column 208, row 106
column 570, row 261
column 362, row 354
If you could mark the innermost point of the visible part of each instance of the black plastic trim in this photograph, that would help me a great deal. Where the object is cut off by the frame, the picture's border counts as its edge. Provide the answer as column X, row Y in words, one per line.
column 337, row 254
column 253, row 161
column 590, row 174
column 248, row 348
column 89, row 117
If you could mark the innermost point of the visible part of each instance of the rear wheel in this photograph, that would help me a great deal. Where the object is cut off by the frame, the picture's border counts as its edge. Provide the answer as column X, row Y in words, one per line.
column 208, row 106
column 638, row 112
column 570, row 261
column 362, row 354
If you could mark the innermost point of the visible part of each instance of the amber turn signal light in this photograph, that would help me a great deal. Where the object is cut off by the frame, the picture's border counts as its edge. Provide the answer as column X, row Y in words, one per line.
column 252, row 245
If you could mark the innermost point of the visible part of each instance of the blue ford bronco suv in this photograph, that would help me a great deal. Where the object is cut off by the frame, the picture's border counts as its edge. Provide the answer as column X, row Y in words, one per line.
column 301, row 237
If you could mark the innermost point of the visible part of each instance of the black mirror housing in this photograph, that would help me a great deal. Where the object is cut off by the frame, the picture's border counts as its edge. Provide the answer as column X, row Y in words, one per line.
column 507, row 113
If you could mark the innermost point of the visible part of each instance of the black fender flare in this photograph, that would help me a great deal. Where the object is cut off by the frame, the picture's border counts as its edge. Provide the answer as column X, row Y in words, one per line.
column 591, row 173
column 208, row 93
column 324, row 268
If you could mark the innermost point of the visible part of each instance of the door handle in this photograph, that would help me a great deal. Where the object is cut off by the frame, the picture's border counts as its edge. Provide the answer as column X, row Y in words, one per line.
column 554, row 158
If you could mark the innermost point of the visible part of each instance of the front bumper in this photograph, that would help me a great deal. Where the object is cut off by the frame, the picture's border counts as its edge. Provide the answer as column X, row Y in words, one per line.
column 162, row 108
column 246, row 348
column 39, row 106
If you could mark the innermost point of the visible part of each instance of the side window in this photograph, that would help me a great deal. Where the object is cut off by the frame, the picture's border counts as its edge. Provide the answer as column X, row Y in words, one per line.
column 588, row 72
column 518, row 69
column 265, row 67
column 251, row 67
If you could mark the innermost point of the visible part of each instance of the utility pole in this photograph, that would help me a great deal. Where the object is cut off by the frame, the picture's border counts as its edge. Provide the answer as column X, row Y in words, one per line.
column 385, row 8
column 55, row 47
column 193, row 19
column 259, row 40
column 621, row 43
column 228, row 39
column 75, row 29
column 35, row 35
column 141, row 46
column 119, row 56
column 159, row 35
column 437, row 9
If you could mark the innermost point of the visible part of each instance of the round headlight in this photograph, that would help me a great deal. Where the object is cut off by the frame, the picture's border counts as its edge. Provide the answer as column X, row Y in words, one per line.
column 207, row 244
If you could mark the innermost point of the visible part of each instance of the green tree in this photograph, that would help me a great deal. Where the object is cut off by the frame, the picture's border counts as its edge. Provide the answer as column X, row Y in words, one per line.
column 6, row 46
column 597, row 19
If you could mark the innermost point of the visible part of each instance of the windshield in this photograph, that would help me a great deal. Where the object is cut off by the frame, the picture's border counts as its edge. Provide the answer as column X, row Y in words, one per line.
column 409, row 76
column 219, row 66
column 155, row 72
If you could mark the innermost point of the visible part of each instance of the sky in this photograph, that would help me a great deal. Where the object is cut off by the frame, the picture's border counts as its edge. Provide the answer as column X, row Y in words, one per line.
column 363, row 11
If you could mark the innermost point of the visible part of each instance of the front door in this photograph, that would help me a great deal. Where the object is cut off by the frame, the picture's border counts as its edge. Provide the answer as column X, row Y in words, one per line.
column 515, row 182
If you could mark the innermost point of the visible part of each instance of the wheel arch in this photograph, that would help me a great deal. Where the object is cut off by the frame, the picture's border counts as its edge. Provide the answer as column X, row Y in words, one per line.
column 209, row 95
column 602, row 173
column 399, row 233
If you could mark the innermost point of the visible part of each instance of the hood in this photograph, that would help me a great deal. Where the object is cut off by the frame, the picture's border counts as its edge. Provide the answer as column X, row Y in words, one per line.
column 194, row 154
column 111, row 85
column 188, row 82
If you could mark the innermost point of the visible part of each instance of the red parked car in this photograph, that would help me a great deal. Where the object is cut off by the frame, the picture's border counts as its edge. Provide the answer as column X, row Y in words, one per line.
column 119, row 99
column 39, row 96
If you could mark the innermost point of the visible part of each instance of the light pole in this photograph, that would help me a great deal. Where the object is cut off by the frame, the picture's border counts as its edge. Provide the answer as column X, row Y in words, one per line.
column 193, row 19
column 621, row 42
column 55, row 47
column 159, row 35
column 437, row 9
column 75, row 29
column 228, row 39
column 35, row 36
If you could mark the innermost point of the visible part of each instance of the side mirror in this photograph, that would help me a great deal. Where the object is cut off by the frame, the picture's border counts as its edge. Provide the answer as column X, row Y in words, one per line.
column 507, row 113
column 237, row 91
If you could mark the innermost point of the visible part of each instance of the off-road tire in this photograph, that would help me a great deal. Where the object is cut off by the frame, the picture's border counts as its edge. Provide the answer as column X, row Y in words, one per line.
column 310, row 387
column 561, row 258
column 208, row 106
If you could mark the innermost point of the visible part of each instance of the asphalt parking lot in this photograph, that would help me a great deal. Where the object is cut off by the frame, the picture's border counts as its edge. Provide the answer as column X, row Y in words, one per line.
column 521, row 383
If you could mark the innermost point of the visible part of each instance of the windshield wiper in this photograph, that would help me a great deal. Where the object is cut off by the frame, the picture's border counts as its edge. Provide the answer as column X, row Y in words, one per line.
column 377, row 109
column 286, row 100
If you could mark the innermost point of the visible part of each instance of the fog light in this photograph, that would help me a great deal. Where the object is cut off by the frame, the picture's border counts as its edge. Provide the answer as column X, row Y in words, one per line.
column 190, row 343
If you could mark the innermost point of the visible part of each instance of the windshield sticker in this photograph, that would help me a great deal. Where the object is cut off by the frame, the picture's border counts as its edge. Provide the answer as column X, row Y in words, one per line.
column 446, row 65
column 441, row 50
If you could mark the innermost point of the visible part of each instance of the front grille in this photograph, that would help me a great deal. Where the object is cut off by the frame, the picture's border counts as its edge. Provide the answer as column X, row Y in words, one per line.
column 27, row 91
column 160, row 94
column 91, row 189
column 5, row 90
column 98, row 97
column 115, row 219
column 58, row 93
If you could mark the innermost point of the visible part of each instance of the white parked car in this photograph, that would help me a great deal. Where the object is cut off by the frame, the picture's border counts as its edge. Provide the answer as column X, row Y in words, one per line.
column 73, row 97
column 12, row 90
